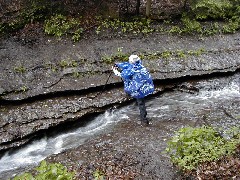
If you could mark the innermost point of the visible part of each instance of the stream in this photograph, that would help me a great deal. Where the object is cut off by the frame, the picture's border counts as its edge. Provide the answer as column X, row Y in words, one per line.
column 217, row 103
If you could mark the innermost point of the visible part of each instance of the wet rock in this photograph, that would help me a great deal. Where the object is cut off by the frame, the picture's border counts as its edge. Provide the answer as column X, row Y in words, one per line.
column 187, row 87
column 23, row 123
column 2, row 90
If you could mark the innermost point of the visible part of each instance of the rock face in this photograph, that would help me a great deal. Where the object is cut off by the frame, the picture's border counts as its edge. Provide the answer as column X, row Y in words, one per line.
column 10, row 9
column 51, row 83
column 49, row 67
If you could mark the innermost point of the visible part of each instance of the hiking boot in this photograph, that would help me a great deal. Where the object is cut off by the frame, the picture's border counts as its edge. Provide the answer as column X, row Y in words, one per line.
column 145, row 122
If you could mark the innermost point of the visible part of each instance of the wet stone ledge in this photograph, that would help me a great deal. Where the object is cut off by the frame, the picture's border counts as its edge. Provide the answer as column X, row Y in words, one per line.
column 39, row 98
column 30, row 71
column 19, row 123
column 42, row 82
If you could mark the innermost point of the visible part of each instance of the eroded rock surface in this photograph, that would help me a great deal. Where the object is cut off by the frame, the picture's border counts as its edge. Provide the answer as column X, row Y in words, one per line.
column 49, row 82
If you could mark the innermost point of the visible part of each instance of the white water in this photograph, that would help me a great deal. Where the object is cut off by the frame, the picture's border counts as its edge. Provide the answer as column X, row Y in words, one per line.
column 35, row 152
column 168, row 106
column 232, row 90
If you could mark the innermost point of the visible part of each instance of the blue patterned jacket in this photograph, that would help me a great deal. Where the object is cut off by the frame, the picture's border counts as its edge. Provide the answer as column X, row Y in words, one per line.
column 137, row 80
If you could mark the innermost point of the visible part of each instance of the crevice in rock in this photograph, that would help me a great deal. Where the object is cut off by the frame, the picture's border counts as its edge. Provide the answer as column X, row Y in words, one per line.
column 96, row 90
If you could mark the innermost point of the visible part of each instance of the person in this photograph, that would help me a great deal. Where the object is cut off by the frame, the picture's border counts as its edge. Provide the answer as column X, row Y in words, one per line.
column 137, row 81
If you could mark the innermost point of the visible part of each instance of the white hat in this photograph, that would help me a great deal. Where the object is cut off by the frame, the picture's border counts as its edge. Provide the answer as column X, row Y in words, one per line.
column 133, row 59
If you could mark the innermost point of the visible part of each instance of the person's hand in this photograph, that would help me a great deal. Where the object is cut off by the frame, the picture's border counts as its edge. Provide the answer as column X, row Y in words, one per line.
column 115, row 71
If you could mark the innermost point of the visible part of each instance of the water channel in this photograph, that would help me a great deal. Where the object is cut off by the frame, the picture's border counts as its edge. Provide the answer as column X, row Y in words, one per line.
column 217, row 103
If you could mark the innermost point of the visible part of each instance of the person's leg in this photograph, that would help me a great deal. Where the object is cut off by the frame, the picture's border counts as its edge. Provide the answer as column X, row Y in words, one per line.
column 142, row 109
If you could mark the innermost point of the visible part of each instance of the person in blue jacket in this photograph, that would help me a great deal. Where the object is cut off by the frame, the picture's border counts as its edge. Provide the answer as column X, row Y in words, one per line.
column 138, row 82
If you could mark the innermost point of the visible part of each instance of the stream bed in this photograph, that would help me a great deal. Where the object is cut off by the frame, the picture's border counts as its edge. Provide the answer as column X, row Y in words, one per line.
column 216, row 103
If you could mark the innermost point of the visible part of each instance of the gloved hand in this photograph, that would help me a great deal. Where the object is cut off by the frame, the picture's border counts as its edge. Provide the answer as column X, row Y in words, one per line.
column 115, row 71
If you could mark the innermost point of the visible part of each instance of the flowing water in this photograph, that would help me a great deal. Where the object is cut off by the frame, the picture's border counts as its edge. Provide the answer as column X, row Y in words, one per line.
column 217, row 104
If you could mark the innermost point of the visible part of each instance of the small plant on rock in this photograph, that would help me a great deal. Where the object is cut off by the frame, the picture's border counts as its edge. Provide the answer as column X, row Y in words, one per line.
column 24, row 88
column 77, row 35
column 98, row 175
column 20, row 69
column 135, row 26
column 175, row 30
column 63, row 63
column 74, row 63
column 107, row 59
column 76, row 74
column 166, row 54
column 52, row 67
column 180, row 54
column 119, row 56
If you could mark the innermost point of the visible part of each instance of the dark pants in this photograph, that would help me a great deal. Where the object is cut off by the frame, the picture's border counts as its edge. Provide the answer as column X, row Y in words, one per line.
column 142, row 108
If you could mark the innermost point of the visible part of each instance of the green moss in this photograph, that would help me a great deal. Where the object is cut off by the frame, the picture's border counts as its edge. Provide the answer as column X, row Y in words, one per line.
column 166, row 54
column 20, row 69
column 24, row 89
column 178, row 54
column 63, row 63
column 118, row 56
column 51, row 66
column 135, row 26
column 98, row 175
